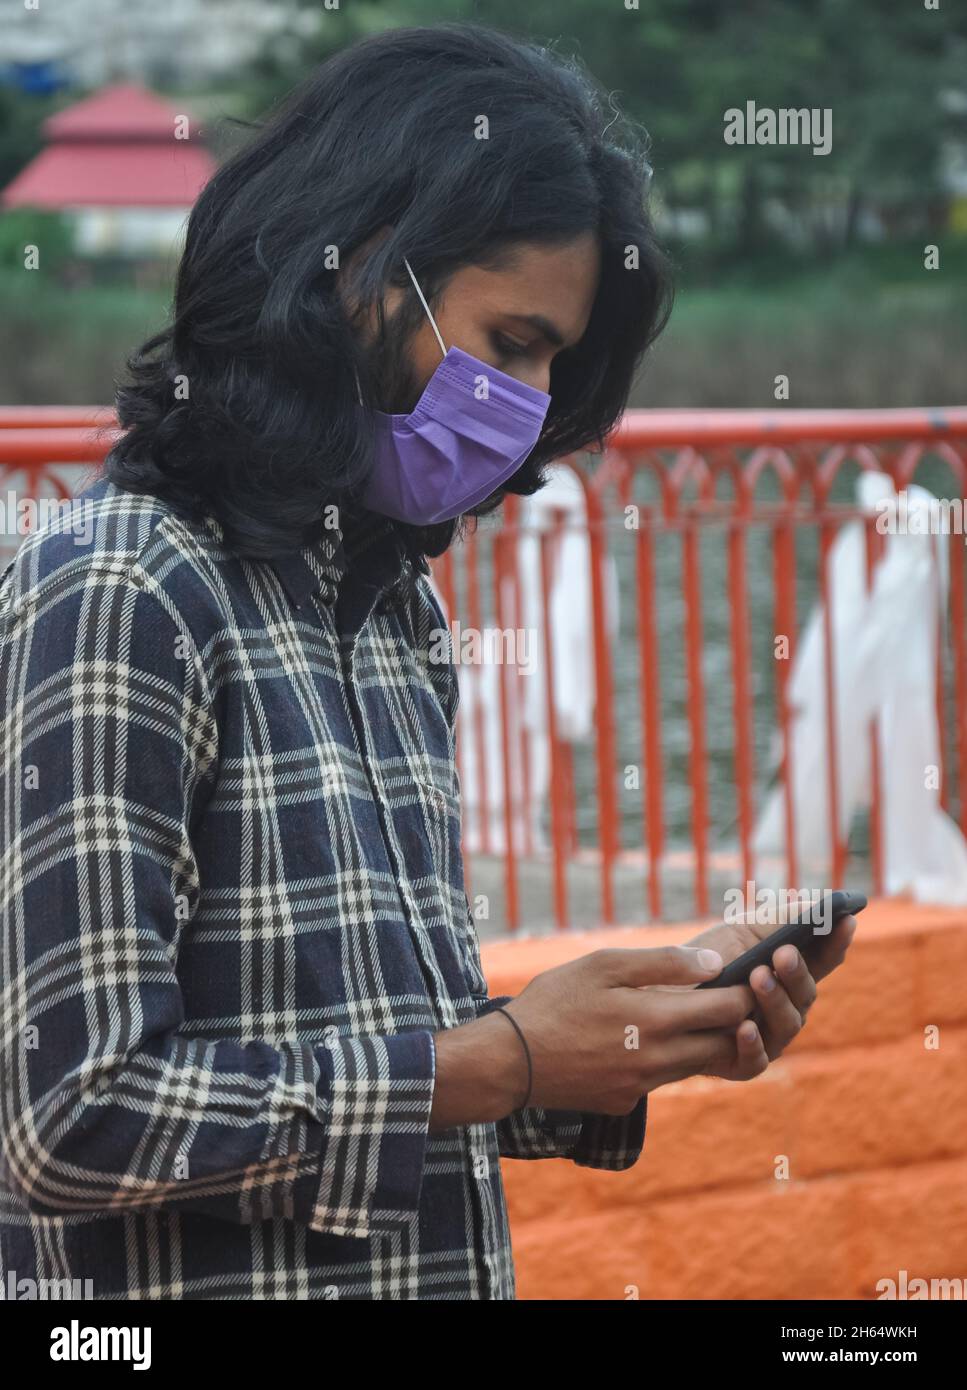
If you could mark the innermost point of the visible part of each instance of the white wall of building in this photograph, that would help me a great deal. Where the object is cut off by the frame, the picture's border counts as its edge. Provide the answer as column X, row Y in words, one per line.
column 101, row 41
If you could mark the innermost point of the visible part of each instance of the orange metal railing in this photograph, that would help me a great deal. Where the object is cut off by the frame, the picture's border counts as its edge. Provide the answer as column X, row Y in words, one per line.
column 710, row 472
column 773, row 489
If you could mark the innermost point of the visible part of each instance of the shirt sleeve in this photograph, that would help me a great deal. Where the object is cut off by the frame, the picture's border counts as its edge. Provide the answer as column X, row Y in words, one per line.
column 108, row 1102
column 589, row 1140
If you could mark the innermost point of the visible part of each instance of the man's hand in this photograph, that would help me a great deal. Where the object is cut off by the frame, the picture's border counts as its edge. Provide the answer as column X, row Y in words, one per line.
column 603, row 1031
column 786, row 993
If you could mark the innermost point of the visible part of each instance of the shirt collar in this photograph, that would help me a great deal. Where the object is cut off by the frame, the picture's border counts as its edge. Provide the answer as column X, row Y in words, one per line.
column 312, row 570
column 376, row 554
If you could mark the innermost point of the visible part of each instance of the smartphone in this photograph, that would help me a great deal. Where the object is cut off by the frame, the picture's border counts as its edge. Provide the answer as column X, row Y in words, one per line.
column 800, row 933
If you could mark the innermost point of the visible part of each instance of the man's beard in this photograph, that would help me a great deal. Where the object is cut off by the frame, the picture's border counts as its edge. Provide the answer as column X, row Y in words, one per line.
column 390, row 373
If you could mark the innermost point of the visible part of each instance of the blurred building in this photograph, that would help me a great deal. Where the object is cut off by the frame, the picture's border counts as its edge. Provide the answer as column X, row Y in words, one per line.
column 181, row 43
column 126, row 167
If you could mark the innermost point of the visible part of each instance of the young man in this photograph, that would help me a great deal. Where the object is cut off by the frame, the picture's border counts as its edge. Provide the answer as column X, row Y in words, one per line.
column 248, row 1050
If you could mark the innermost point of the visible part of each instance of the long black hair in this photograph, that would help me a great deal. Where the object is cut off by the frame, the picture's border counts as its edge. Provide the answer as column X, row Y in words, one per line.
column 243, row 408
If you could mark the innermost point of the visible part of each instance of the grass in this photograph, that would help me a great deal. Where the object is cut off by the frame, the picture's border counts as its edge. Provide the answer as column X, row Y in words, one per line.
column 868, row 330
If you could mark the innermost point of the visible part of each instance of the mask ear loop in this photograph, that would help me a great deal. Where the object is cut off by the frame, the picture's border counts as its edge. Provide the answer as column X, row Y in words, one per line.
column 439, row 338
column 443, row 346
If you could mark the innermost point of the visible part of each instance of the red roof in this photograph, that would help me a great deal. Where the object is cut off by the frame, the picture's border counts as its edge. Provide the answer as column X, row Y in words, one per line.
column 124, row 111
column 105, row 175
column 116, row 148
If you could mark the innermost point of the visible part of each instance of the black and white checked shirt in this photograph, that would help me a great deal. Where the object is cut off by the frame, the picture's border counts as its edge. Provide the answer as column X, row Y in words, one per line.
column 234, row 917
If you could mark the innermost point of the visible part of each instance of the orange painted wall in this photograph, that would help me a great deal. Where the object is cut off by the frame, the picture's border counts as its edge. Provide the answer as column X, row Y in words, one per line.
column 873, row 1122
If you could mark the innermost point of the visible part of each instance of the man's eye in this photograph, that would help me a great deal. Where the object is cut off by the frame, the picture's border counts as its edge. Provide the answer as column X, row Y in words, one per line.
column 506, row 347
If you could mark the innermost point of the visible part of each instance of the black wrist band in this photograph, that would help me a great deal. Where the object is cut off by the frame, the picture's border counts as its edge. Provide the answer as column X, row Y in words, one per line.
column 530, row 1069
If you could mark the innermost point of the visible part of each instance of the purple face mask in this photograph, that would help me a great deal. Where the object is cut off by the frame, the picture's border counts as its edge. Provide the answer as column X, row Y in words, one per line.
column 471, row 429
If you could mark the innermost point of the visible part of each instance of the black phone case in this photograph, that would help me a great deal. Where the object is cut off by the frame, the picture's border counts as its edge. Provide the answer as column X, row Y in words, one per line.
column 798, row 933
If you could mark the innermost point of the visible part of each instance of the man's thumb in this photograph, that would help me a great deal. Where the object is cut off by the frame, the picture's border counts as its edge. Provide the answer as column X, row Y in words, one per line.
column 662, row 965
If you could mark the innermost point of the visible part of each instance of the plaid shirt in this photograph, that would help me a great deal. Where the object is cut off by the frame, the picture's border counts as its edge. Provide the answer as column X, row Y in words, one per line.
column 234, row 917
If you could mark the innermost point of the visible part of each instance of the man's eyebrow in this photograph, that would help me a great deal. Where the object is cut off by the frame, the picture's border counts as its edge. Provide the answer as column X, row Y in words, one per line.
column 544, row 326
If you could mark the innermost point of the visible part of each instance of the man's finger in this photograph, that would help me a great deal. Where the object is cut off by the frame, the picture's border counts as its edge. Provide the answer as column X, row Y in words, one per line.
column 690, row 1010
column 779, row 1017
column 826, row 953
column 794, row 975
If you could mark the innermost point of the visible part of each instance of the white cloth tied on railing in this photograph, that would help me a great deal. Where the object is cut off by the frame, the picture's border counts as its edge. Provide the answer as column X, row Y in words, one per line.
column 885, row 668
column 573, row 675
